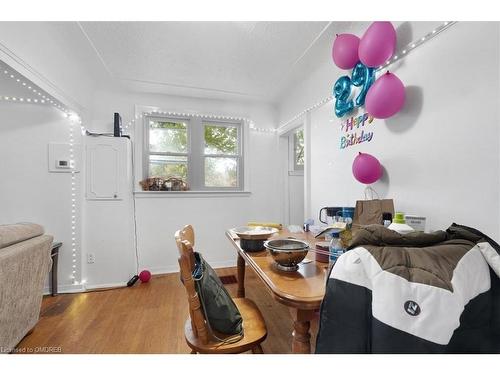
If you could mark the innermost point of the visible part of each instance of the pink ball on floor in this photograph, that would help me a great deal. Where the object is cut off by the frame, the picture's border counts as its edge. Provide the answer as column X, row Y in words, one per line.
column 145, row 276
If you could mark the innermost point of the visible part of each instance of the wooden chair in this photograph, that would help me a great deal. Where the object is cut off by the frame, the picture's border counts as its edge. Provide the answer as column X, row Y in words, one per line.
column 196, row 331
column 187, row 234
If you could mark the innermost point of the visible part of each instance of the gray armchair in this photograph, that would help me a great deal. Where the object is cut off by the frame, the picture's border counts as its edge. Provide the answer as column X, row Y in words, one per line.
column 24, row 266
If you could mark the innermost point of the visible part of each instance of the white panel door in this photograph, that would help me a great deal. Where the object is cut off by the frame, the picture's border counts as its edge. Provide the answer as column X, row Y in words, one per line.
column 104, row 172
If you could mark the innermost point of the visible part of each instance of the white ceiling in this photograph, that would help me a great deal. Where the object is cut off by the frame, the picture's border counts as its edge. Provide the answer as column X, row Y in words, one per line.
column 210, row 59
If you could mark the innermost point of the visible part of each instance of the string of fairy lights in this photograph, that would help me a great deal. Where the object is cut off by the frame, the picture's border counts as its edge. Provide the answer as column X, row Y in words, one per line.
column 73, row 203
column 397, row 56
column 37, row 95
column 74, row 119
column 249, row 122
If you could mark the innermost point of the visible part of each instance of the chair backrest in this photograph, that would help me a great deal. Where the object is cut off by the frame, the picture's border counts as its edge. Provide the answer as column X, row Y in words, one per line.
column 186, row 264
column 187, row 233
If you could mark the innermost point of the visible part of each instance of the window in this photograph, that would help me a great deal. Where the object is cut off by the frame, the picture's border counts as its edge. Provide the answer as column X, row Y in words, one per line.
column 298, row 143
column 206, row 154
column 168, row 148
column 296, row 154
column 221, row 155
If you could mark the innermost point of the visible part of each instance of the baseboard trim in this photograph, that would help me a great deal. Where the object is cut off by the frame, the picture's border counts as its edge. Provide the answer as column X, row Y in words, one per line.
column 223, row 264
column 105, row 286
column 175, row 269
column 63, row 289
column 164, row 270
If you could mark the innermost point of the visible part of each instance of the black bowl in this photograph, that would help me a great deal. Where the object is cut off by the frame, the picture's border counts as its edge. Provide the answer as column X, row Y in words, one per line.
column 252, row 245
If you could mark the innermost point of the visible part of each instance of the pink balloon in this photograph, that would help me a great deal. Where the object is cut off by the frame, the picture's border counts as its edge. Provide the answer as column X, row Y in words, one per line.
column 386, row 97
column 377, row 44
column 366, row 168
column 345, row 51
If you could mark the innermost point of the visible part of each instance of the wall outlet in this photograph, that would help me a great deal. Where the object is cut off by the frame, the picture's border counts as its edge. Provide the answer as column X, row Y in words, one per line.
column 90, row 258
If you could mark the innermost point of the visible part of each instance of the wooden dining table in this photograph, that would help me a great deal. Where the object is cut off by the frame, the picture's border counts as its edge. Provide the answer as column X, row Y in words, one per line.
column 302, row 290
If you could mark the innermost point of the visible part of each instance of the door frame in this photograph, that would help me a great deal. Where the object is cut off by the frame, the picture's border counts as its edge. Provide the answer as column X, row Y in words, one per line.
column 285, row 149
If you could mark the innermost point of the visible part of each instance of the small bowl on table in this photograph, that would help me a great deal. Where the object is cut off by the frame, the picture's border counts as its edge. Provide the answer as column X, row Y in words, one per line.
column 252, row 238
column 287, row 252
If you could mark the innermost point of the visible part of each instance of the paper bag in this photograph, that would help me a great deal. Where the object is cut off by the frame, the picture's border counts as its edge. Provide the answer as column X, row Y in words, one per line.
column 370, row 211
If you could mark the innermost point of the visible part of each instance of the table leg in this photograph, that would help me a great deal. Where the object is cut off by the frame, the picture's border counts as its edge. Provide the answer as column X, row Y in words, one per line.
column 241, row 277
column 301, row 337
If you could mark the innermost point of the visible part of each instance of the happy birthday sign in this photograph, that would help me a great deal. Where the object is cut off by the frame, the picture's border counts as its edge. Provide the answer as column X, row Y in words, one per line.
column 349, row 128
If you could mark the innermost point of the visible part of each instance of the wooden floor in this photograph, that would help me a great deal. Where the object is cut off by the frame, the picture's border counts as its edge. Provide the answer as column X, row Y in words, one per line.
column 147, row 318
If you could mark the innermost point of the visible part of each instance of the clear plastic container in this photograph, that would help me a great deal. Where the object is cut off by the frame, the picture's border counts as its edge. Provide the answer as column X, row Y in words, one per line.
column 336, row 248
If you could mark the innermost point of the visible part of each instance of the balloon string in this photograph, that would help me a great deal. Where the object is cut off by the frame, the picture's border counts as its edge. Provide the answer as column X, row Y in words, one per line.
column 373, row 193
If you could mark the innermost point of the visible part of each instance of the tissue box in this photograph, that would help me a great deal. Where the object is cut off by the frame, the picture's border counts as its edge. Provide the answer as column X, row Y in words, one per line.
column 416, row 222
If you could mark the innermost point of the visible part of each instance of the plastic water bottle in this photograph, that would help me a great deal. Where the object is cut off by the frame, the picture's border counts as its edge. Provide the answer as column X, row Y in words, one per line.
column 336, row 248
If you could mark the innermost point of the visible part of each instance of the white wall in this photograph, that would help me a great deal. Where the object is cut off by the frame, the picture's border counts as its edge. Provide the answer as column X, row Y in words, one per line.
column 158, row 217
column 296, row 199
column 440, row 153
column 28, row 192
column 56, row 57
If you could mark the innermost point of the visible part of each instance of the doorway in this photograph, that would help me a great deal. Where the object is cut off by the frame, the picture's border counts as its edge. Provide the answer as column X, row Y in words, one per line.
column 293, row 156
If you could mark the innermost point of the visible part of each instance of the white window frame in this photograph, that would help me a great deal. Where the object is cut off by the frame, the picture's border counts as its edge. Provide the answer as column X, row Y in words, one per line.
column 147, row 152
column 238, row 156
column 196, row 149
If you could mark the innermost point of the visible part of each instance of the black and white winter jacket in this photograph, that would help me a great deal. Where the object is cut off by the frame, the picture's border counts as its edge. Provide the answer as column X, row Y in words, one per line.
column 416, row 293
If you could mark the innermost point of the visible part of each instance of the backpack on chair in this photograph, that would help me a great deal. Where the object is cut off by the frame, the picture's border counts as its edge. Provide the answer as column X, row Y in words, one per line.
column 221, row 313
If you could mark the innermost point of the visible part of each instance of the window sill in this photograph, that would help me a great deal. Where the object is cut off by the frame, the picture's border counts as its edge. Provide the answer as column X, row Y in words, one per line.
column 190, row 194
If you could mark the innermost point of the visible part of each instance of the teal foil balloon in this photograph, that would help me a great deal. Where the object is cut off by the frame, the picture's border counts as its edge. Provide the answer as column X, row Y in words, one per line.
column 342, row 91
column 362, row 76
